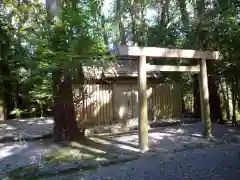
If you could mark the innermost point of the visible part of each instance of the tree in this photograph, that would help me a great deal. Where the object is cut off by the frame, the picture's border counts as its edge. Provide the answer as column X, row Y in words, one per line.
column 69, row 37
column 41, row 56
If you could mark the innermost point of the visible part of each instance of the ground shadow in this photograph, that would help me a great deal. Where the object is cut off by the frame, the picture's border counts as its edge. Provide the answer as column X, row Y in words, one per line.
column 25, row 128
column 111, row 147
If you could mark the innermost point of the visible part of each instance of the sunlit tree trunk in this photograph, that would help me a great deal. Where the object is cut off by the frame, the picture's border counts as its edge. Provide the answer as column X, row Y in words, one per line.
column 234, row 100
column 225, row 96
column 120, row 25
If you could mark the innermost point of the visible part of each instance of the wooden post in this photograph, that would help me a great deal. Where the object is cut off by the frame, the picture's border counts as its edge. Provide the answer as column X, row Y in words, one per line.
column 204, row 96
column 142, row 100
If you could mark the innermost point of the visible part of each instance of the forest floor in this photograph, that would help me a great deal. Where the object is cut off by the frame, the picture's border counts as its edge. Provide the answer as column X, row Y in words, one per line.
column 215, row 163
column 43, row 158
column 36, row 128
column 20, row 129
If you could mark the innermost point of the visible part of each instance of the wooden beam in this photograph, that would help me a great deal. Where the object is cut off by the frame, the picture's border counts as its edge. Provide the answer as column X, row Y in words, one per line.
column 170, row 68
column 142, row 102
column 204, row 98
column 123, row 50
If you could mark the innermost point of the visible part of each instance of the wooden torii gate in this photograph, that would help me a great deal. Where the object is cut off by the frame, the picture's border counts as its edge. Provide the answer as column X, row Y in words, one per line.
column 201, row 69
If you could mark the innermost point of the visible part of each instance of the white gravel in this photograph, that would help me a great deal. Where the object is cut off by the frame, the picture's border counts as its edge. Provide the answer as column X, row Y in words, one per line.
column 221, row 162
column 165, row 140
column 25, row 128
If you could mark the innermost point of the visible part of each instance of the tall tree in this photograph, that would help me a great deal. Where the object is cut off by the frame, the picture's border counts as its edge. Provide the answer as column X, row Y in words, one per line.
column 70, row 40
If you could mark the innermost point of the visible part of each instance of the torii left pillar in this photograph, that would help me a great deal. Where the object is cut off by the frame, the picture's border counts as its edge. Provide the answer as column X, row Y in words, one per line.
column 142, row 102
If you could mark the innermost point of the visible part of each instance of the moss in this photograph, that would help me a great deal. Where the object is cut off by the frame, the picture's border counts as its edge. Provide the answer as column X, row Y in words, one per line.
column 22, row 172
column 35, row 172
column 64, row 156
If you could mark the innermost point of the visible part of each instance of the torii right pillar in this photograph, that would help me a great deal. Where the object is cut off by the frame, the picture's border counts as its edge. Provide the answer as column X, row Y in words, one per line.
column 204, row 96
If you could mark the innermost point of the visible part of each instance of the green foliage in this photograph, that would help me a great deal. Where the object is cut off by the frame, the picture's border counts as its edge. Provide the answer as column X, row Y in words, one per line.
column 33, row 44
column 17, row 112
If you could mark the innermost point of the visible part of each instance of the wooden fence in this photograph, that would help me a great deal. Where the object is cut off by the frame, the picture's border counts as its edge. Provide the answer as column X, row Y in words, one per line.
column 103, row 104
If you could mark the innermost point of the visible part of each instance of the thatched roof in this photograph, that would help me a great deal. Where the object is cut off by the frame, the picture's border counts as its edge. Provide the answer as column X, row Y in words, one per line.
column 114, row 69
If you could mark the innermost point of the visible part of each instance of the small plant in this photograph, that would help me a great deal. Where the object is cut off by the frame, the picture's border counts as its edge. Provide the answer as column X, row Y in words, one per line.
column 17, row 112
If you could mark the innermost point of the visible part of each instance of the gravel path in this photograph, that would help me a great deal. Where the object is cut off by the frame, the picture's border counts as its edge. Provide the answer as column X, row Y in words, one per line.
column 221, row 162
column 20, row 129
column 162, row 140
column 25, row 128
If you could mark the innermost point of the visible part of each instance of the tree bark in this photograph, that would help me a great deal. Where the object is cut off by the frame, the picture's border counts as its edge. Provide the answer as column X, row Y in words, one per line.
column 196, row 93
column 184, row 15
column 7, row 90
column 234, row 119
column 228, row 108
column 65, row 125
column 2, row 106
column 214, row 97
column 225, row 95
column 183, row 105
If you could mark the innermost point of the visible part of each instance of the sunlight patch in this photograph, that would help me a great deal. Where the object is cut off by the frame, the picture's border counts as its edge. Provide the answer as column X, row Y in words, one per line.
column 129, row 148
column 11, row 150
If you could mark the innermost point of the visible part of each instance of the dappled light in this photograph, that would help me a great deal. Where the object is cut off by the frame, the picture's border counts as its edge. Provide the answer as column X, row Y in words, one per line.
column 93, row 104
column 10, row 150
column 122, row 111
column 108, row 104
column 116, row 81
column 100, row 149
column 25, row 128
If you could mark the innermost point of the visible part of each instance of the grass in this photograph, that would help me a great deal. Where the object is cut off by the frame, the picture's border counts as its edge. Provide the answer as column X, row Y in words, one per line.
column 86, row 158
column 19, row 174
column 65, row 155
column 33, row 173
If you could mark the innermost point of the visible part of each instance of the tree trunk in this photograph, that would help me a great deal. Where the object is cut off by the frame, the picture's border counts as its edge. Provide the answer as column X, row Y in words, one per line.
column 196, row 93
column 225, row 95
column 238, row 94
column 234, row 119
column 184, row 15
column 7, row 91
column 228, row 108
column 2, row 106
column 65, row 125
column 214, row 97
column 183, row 105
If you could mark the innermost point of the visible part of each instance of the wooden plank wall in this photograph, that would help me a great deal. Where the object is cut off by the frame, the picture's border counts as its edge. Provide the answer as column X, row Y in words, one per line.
column 167, row 102
column 94, row 106
column 103, row 104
